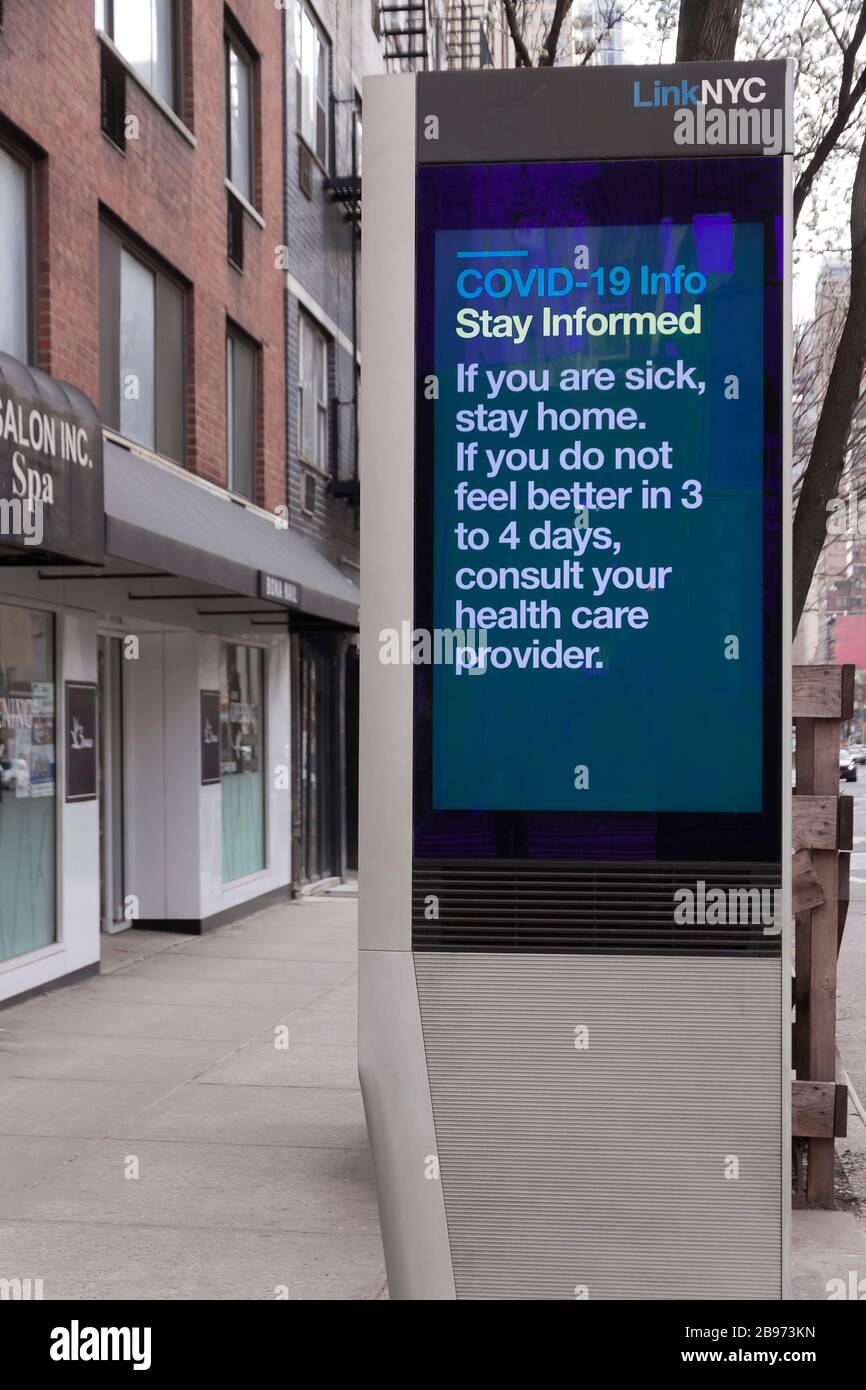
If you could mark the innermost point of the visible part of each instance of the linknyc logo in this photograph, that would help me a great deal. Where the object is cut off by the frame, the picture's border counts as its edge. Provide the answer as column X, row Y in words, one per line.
column 736, row 116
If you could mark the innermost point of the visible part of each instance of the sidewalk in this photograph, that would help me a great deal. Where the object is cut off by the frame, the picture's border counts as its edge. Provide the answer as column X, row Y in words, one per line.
column 253, row 1170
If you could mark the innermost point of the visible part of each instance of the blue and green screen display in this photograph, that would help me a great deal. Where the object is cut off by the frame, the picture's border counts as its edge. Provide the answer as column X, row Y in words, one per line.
column 599, row 524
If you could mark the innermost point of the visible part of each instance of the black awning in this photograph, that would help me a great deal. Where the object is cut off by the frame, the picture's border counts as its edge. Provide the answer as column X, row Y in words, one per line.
column 51, row 468
column 159, row 517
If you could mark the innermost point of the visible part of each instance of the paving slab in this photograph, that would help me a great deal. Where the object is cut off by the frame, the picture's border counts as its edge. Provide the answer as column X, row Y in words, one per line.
column 302, row 1063
column 828, row 1255
column 129, row 1019
column 199, row 965
column 103, row 1261
column 312, row 1117
column 272, row 999
column 221, row 1186
column 120, row 949
column 35, row 1106
column 84, row 1057
column 25, row 1159
column 277, row 946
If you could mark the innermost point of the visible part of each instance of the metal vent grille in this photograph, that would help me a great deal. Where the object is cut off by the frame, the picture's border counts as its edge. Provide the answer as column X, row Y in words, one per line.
column 568, row 906
column 607, row 1168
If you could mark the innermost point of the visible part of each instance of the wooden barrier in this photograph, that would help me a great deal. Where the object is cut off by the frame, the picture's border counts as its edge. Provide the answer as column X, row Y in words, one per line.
column 823, row 696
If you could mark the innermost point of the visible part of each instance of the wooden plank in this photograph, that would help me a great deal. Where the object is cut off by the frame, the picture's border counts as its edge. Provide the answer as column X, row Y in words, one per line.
column 845, row 839
column 813, row 1106
column 804, row 762
column 823, row 692
column 819, row 1109
column 804, row 756
column 807, row 890
column 802, row 992
column 816, row 821
column 840, row 1111
column 823, row 944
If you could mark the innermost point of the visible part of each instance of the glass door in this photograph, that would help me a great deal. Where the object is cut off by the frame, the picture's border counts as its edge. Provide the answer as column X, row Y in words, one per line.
column 111, row 784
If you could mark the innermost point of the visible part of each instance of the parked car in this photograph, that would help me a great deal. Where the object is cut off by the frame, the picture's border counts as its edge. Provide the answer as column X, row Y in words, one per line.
column 858, row 752
column 847, row 765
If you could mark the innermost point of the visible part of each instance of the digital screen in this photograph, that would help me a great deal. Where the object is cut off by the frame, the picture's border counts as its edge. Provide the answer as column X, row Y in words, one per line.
column 599, row 545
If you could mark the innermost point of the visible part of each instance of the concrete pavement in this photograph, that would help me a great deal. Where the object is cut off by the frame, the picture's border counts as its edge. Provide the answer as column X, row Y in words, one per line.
column 159, row 1140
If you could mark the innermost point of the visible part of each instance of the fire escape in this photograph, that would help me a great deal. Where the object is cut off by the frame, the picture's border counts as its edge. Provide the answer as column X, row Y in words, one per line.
column 465, row 40
column 403, row 31
column 344, row 188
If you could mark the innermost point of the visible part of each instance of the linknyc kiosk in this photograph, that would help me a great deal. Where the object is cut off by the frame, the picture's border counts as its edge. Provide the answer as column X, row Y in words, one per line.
column 575, row 800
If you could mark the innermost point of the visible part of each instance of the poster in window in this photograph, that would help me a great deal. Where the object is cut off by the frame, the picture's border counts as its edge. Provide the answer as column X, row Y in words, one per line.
column 240, row 721
column 42, row 756
column 16, row 718
column 210, row 737
column 81, row 782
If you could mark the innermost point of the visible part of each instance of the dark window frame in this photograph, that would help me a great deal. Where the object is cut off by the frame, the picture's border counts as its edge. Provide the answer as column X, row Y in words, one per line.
column 234, row 37
column 178, row 31
column 324, row 163
column 110, row 363
column 20, row 152
column 236, row 334
column 307, row 324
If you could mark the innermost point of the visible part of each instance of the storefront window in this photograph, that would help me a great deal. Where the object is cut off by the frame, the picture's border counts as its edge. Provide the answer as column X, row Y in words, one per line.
column 27, row 792
column 242, row 761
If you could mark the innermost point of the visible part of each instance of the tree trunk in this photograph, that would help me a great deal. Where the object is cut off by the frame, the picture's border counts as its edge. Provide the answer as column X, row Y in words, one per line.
column 707, row 30
column 827, row 457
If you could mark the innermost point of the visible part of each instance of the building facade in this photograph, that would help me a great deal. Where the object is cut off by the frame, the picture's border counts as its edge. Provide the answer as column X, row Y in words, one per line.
column 328, row 47
column 156, row 564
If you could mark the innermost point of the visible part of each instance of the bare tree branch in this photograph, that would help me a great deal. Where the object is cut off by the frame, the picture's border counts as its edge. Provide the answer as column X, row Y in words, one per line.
column 523, row 55
column 708, row 30
column 828, row 453
column 551, row 43
column 850, row 93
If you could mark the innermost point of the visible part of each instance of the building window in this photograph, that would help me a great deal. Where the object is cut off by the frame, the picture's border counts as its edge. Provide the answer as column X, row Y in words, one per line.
column 15, row 255
column 242, row 760
column 27, row 790
column 312, row 58
column 137, row 350
column 308, row 494
column 145, row 33
column 313, row 395
column 240, row 116
column 241, row 411
column 142, row 347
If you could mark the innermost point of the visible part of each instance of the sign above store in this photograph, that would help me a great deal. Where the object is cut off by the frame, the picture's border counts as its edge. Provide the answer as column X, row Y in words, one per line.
column 278, row 589
column 51, row 479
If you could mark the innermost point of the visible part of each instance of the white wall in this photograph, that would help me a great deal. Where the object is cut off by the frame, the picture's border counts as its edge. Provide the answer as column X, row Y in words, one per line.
column 173, row 823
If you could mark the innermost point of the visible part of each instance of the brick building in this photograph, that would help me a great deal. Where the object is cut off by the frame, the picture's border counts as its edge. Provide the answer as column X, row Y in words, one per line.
column 328, row 49
column 154, row 570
